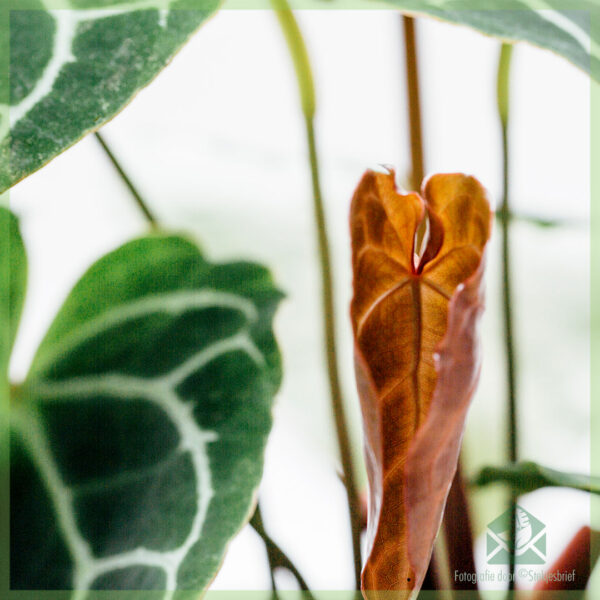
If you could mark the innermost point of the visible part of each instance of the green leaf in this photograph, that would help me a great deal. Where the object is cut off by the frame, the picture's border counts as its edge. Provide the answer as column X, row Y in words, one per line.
column 138, row 436
column 73, row 70
column 13, row 271
column 525, row 477
column 566, row 32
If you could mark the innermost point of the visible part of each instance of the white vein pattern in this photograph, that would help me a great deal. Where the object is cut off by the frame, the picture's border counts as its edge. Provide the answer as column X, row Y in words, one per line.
column 174, row 303
column 161, row 391
column 582, row 37
column 67, row 21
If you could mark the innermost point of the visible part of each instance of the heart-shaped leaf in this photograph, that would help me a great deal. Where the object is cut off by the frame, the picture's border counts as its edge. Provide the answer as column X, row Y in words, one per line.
column 73, row 70
column 138, row 436
column 417, row 360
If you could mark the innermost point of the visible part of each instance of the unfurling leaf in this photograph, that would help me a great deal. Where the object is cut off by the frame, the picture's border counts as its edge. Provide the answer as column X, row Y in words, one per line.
column 417, row 357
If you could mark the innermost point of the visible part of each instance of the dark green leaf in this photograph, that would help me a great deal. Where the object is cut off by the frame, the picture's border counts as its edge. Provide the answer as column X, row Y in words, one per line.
column 73, row 70
column 138, row 438
column 13, row 273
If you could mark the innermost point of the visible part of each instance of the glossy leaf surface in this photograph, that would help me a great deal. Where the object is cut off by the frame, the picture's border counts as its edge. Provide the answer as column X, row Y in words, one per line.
column 417, row 359
column 138, row 435
column 73, row 70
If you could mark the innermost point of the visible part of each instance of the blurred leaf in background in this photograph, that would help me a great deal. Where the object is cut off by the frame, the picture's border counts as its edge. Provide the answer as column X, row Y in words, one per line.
column 138, row 436
column 13, row 274
column 13, row 280
column 566, row 32
column 528, row 476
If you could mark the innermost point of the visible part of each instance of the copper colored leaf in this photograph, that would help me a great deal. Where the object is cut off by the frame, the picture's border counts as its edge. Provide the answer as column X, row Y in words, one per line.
column 417, row 357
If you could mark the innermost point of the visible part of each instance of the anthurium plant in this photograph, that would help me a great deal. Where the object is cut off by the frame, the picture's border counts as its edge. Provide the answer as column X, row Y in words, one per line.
column 137, row 438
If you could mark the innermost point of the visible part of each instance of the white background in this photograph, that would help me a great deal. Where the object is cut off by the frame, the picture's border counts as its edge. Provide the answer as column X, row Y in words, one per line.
column 216, row 145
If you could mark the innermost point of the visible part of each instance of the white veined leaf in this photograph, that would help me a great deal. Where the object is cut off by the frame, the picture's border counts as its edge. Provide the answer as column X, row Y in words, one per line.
column 72, row 70
column 137, row 438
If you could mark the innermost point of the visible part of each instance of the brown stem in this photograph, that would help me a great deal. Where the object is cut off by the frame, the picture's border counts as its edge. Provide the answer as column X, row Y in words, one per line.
column 411, row 58
column 414, row 102
column 459, row 535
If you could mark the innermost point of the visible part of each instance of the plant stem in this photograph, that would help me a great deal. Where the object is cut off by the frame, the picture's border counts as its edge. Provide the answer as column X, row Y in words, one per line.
column 136, row 195
column 509, row 343
column 277, row 557
column 456, row 522
column 414, row 102
column 542, row 222
column 411, row 59
column 458, row 534
column 304, row 77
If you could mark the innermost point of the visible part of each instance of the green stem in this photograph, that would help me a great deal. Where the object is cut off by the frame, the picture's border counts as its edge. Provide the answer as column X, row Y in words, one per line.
column 541, row 222
column 304, row 76
column 509, row 343
column 276, row 556
column 136, row 195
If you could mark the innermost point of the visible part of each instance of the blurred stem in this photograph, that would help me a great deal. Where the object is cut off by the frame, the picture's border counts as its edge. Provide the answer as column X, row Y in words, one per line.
column 458, row 534
column 276, row 556
column 542, row 222
column 299, row 55
column 411, row 58
column 414, row 102
column 512, row 426
column 136, row 195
